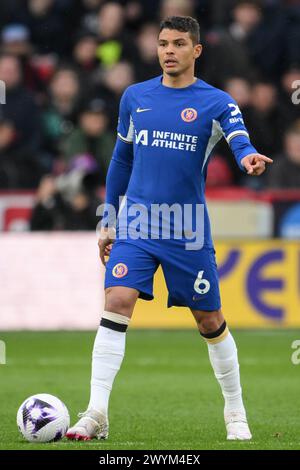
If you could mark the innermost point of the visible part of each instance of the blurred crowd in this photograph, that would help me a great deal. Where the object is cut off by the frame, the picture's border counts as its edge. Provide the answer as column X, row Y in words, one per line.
column 66, row 63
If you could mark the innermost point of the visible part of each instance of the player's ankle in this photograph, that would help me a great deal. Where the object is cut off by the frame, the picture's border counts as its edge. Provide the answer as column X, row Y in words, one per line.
column 234, row 404
column 99, row 410
column 238, row 412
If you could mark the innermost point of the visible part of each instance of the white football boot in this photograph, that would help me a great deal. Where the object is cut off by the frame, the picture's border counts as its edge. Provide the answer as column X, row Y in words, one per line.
column 237, row 426
column 92, row 425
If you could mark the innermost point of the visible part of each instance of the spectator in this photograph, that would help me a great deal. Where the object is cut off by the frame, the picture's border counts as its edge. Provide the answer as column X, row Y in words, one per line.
column 227, row 52
column 79, row 189
column 25, row 136
column 84, row 58
column 115, row 43
column 247, row 15
column 134, row 14
column 240, row 89
column 114, row 81
column 285, row 171
column 288, row 109
column 60, row 115
column 145, row 11
column 263, row 120
column 176, row 8
column 266, row 41
column 81, row 175
column 15, row 40
column 84, row 15
column 147, row 65
column 70, row 201
column 92, row 137
column 46, row 26
column 82, row 213
column 49, row 211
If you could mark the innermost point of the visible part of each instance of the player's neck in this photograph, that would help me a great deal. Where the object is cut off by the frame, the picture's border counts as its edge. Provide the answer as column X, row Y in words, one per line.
column 181, row 81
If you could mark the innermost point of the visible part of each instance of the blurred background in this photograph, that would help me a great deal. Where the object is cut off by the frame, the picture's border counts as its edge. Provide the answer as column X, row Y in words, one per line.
column 65, row 64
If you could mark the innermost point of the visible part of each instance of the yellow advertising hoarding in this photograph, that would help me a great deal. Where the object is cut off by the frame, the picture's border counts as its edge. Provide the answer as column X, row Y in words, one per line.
column 259, row 282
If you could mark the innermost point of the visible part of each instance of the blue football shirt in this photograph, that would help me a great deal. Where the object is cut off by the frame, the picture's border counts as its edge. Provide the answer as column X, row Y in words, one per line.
column 165, row 139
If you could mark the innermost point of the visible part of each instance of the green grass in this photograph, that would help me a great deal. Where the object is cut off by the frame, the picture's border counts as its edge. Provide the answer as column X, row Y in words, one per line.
column 165, row 396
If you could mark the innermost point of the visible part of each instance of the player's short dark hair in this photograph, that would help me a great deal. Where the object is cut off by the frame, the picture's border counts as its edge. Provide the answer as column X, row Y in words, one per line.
column 185, row 24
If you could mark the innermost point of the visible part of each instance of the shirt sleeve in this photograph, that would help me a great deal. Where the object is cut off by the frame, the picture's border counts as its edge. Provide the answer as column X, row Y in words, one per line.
column 234, row 130
column 125, row 124
column 119, row 173
column 120, row 167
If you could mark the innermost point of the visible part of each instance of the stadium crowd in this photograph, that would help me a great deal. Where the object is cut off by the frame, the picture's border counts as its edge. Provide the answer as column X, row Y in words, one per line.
column 65, row 64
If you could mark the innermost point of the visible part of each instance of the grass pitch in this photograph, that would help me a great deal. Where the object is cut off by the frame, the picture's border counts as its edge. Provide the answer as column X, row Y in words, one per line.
column 164, row 397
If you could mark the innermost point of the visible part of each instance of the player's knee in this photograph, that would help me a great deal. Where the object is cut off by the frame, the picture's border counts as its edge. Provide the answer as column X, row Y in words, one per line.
column 209, row 322
column 208, row 325
column 118, row 302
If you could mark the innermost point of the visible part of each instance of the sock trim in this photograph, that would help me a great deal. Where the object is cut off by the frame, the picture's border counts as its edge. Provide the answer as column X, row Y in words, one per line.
column 113, row 325
column 116, row 317
column 216, row 336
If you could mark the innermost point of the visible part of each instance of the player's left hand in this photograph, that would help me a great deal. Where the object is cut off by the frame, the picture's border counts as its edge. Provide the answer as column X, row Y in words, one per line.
column 255, row 163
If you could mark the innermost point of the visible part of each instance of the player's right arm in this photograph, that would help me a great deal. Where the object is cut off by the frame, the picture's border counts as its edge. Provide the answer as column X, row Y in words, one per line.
column 118, row 176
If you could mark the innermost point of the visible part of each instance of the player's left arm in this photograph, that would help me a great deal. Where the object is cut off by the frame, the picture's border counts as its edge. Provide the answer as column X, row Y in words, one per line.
column 255, row 163
column 237, row 136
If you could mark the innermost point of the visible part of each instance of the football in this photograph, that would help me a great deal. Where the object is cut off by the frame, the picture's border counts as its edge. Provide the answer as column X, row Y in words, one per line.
column 43, row 418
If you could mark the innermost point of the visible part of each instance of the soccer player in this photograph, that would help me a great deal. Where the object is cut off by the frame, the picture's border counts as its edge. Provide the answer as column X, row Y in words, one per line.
column 168, row 127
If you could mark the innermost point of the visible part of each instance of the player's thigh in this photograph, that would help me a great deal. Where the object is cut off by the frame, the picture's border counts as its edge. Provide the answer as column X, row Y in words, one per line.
column 131, row 267
column 192, row 279
column 120, row 299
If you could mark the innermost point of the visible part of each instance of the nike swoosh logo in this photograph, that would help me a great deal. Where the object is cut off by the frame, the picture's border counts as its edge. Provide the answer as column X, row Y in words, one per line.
column 141, row 110
column 196, row 297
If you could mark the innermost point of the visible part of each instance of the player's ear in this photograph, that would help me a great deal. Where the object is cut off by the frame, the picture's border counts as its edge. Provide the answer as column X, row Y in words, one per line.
column 198, row 50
